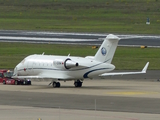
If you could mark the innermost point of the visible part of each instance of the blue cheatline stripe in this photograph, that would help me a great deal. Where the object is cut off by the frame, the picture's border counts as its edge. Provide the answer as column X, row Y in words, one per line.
column 86, row 74
column 106, row 61
column 39, row 68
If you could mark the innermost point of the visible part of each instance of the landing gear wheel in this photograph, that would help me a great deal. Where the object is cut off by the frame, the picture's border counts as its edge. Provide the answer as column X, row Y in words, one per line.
column 56, row 84
column 78, row 83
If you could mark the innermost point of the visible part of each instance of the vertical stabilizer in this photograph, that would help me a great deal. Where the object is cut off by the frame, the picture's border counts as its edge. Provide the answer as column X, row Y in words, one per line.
column 107, row 49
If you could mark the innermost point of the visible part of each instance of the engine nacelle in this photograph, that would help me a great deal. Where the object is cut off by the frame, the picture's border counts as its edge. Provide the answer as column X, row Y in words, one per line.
column 64, row 64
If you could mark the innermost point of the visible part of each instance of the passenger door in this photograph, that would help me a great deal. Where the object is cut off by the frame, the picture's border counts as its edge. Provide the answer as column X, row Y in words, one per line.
column 30, row 68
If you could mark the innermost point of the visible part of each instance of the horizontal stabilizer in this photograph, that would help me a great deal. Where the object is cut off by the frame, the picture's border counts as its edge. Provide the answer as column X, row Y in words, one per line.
column 126, row 73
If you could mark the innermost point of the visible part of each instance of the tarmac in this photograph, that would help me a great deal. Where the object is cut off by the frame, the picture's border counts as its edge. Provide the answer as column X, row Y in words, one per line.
column 98, row 99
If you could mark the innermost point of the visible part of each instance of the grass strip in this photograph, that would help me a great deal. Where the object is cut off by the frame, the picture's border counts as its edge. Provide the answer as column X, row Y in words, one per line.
column 125, row 58
column 111, row 16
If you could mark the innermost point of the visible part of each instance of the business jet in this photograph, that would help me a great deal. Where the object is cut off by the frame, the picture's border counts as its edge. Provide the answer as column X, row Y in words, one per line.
column 66, row 68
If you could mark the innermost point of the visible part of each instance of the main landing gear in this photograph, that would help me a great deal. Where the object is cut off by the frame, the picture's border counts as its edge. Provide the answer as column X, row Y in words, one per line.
column 56, row 84
column 78, row 83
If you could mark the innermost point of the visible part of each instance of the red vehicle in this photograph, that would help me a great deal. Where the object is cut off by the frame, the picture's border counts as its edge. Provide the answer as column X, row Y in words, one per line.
column 5, row 78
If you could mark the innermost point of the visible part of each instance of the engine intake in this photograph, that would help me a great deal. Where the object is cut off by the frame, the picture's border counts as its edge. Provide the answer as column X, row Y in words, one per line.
column 67, row 64
column 70, row 64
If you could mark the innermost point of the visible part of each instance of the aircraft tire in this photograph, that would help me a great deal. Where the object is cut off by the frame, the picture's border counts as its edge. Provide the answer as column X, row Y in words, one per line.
column 54, row 84
column 78, row 84
column 58, row 84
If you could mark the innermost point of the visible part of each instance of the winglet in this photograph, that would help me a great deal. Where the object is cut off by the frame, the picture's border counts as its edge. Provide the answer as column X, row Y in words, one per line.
column 145, row 67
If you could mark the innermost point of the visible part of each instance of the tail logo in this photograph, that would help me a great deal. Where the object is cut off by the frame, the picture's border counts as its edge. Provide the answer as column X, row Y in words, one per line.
column 103, row 51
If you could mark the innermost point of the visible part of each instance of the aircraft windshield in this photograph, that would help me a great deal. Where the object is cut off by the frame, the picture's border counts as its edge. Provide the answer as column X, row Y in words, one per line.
column 8, row 74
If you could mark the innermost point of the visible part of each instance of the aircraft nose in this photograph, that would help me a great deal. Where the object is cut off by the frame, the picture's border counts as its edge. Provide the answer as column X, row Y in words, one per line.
column 15, row 71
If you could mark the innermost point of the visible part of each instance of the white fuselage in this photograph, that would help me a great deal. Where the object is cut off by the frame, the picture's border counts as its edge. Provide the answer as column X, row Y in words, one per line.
column 61, row 67
column 71, row 68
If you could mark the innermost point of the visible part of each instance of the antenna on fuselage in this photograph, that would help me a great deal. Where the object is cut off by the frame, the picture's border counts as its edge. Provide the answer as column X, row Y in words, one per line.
column 68, row 54
column 43, row 53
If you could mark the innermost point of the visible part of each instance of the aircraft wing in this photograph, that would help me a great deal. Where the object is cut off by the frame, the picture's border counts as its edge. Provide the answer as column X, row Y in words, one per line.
column 126, row 73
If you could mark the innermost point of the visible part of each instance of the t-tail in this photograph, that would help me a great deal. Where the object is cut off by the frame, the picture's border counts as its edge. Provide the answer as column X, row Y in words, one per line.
column 107, row 49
